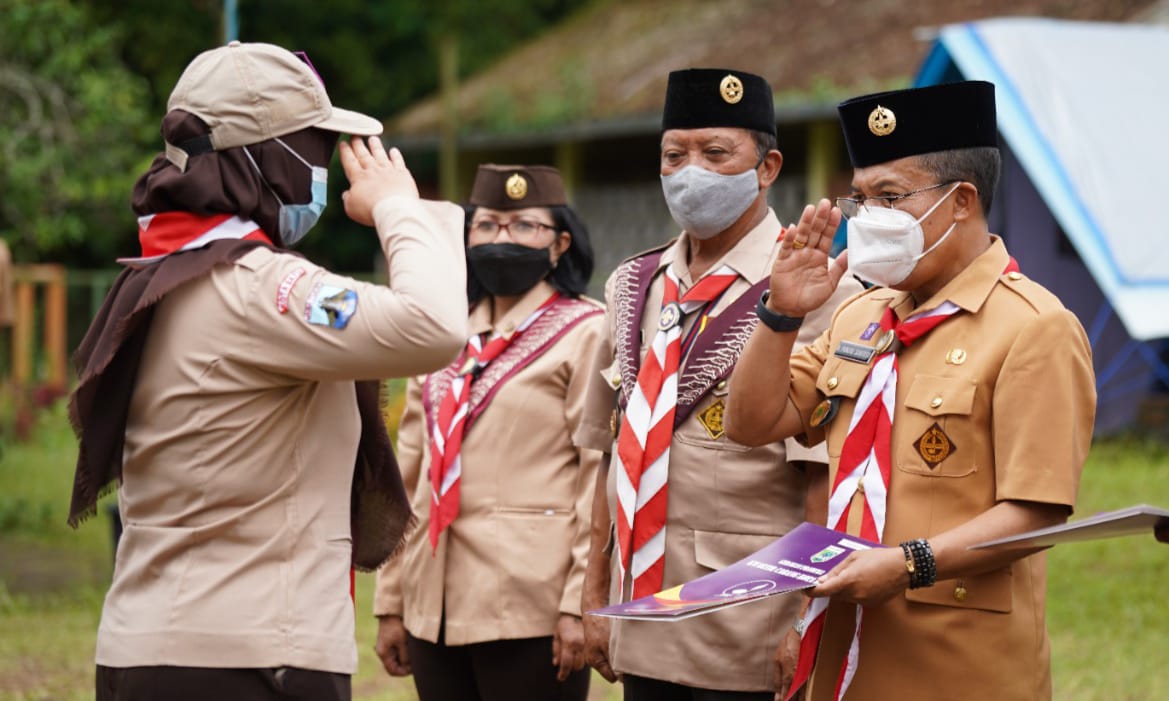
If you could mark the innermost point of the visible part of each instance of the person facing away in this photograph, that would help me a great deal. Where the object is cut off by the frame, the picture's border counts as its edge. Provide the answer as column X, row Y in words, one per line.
column 676, row 497
column 484, row 601
column 229, row 387
column 957, row 400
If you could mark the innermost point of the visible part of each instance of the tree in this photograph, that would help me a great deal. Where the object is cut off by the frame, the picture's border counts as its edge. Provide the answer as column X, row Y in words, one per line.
column 73, row 130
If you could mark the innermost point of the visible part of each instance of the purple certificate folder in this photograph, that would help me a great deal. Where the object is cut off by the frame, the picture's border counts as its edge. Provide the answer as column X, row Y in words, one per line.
column 791, row 563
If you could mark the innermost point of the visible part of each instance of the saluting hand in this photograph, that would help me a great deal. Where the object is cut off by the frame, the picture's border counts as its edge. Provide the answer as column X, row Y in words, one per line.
column 373, row 175
column 803, row 276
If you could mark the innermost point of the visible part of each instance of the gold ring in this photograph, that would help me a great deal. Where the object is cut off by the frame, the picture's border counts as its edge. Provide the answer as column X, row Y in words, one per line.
column 797, row 244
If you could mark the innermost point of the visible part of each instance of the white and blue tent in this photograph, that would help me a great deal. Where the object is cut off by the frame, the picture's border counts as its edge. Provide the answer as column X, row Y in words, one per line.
column 1083, row 113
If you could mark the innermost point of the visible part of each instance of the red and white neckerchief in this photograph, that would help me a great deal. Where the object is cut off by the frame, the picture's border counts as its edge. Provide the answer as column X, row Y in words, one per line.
column 866, row 459
column 446, row 436
column 170, row 232
column 647, row 427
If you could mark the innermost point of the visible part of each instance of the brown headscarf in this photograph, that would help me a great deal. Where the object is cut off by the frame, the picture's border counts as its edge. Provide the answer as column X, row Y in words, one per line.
column 219, row 182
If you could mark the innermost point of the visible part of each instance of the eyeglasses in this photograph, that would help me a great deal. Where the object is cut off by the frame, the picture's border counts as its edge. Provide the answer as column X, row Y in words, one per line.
column 517, row 228
column 849, row 206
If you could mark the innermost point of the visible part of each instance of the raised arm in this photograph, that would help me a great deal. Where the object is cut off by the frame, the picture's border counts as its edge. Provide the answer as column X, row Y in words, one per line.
column 803, row 278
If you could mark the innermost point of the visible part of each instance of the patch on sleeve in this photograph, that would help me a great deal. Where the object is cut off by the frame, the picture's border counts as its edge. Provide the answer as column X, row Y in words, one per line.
column 329, row 305
column 285, row 289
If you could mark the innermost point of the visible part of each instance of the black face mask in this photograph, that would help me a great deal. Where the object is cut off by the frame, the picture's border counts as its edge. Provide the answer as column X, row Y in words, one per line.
column 509, row 269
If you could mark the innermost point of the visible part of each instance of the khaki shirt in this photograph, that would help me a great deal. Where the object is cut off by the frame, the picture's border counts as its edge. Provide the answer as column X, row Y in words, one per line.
column 240, row 445
column 725, row 500
column 1009, row 383
column 513, row 560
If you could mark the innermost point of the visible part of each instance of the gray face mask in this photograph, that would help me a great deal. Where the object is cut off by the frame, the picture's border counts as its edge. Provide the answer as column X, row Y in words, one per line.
column 705, row 203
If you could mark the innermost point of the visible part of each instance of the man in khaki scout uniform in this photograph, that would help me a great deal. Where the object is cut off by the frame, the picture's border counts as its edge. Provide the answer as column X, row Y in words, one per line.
column 706, row 501
column 957, row 400
column 229, row 387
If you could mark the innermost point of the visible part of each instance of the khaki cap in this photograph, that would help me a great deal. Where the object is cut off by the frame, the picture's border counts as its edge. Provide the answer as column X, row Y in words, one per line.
column 253, row 92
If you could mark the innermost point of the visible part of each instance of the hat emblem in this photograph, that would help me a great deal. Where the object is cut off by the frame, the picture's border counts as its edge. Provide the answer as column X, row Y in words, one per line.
column 731, row 89
column 882, row 121
column 516, row 187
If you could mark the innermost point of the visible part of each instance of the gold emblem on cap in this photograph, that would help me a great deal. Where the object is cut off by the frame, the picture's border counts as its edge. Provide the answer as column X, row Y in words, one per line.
column 882, row 121
column 731, row 89
column 712, row 420
column 516, row 187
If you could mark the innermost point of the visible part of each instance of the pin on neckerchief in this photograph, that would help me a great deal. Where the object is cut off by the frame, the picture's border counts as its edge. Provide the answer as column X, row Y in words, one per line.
column 824, row 412
column 671, row 316
column 470, row 367
column 888, row 342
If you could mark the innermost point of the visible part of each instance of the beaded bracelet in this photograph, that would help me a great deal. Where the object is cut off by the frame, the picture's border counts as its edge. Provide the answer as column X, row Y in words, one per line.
column 919, row 562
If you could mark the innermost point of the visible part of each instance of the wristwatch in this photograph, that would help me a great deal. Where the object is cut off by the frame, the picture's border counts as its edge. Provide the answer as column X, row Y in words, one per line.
column 776, row 322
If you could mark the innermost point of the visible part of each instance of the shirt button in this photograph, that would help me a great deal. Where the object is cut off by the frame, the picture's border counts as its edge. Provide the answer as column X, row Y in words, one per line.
column 935, row 402
column 860, row 487
column 721, row 385
column 1014, row 276
column 832, row 382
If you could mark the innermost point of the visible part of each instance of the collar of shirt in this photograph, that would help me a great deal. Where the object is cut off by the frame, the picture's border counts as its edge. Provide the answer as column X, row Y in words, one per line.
column 969, row 288
column 480, row 320
column 750, row 258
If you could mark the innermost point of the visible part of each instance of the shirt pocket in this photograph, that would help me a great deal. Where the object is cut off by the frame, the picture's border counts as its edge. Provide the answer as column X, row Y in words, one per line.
column 705, row 427
column 934, row 430
column 985, row 592
column 716, row 550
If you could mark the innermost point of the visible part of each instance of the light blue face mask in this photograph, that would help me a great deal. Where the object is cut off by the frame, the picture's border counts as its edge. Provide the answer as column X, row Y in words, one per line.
column 297, row 219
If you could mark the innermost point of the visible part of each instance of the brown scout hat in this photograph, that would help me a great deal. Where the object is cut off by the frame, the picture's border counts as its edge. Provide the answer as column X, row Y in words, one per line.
column 517, row 187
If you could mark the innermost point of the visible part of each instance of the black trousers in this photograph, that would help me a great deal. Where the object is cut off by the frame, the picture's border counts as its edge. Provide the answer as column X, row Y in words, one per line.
column 200, row 684
column 500, row 670
column 646, row 689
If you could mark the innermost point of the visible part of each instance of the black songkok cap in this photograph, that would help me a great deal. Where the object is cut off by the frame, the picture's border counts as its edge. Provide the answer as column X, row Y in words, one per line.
column 886, row 126
column 697, row 98
column 517, row 187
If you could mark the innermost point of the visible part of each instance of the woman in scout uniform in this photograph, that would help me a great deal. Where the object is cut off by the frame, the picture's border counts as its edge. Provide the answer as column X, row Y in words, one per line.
column 484, row 602
column 224, row 390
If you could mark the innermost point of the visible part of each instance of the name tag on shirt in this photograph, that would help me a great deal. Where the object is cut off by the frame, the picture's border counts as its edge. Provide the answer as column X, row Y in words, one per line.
column 854, row 352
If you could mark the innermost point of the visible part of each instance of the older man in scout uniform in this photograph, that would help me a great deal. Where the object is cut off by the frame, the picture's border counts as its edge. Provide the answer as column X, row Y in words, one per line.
column 682, row 498
column 957, row 400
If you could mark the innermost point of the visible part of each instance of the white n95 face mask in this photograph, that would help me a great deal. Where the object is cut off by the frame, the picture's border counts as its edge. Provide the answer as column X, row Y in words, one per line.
column 884, row 244
column 706, row 203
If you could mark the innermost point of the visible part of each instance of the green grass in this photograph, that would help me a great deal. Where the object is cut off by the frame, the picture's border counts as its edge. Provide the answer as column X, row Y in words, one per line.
column 1107, row 611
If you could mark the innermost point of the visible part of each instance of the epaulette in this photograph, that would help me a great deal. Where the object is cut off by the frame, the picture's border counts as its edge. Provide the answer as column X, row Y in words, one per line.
column 1035, row 295
column 656, row 249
